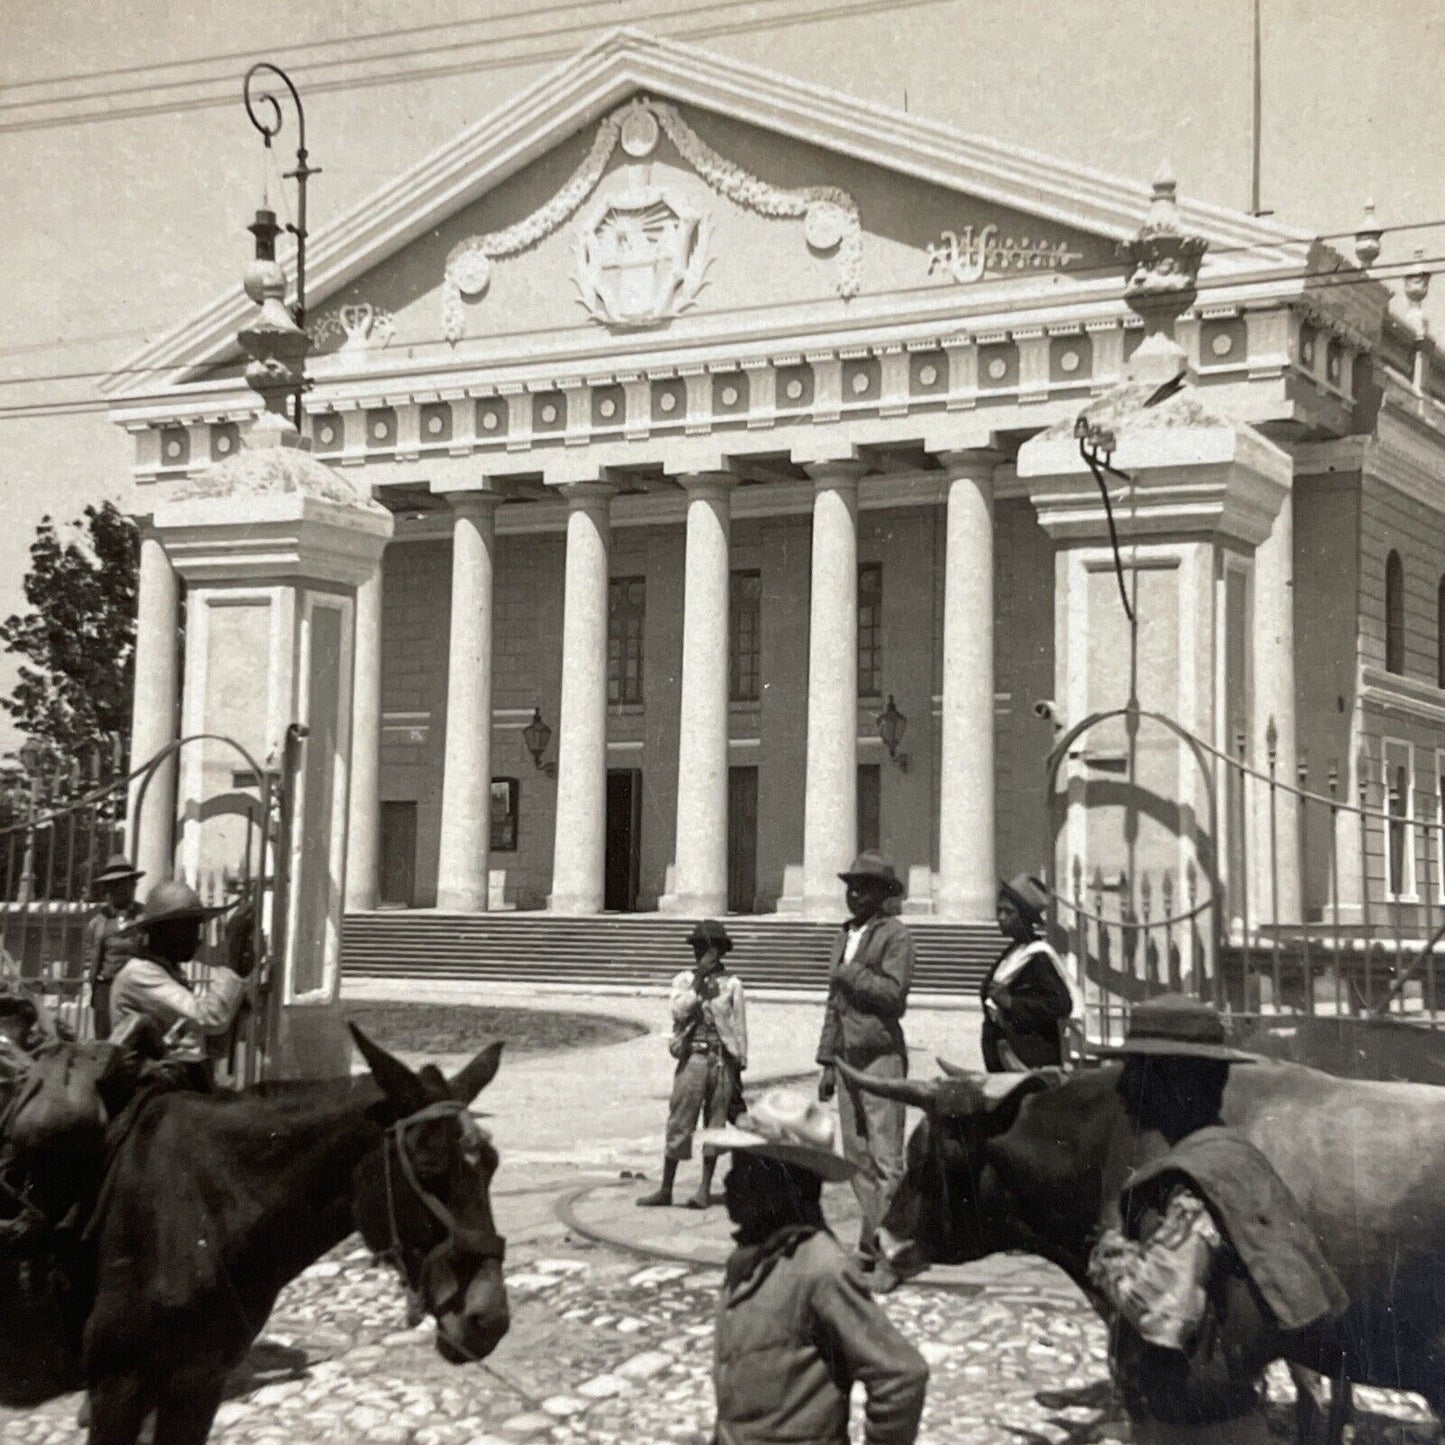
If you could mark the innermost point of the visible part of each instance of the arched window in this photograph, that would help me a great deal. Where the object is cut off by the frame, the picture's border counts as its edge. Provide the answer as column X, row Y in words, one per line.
column 1440, row 634
column 1394, row 614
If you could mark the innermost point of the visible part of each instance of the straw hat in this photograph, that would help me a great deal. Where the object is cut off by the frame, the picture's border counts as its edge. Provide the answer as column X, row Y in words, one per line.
column 169, row 902
column 118, row 869
column 788, row 1127
column 874, row 869
column 1175, row 1026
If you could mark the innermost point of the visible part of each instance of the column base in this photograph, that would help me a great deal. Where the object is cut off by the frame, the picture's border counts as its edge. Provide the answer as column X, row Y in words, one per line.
column 462, row 900
column 574, row 905
column 966, row 907
column 795, row 902
column 693, row 905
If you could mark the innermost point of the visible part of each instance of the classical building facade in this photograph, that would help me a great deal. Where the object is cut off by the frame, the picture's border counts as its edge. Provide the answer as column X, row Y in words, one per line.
column 721, row 417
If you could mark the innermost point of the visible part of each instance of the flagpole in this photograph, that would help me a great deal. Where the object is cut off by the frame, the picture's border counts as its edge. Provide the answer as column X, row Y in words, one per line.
column 1254, row 201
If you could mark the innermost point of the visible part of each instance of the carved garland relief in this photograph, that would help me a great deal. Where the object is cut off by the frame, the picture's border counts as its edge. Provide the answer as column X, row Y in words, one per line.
column 642, row 257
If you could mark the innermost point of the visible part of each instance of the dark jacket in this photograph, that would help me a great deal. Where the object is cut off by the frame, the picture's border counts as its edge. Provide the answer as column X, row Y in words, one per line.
column 1269, row 1276
column 1030, row 1000
column 868, row 996
column 796, row 1326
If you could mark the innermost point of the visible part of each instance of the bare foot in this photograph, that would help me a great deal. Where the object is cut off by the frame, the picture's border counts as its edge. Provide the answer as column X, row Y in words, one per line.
column 659, row 1200
column 699, row 1201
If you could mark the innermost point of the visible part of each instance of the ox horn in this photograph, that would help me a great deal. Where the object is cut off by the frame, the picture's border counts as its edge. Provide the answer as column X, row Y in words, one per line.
column 921, row 1093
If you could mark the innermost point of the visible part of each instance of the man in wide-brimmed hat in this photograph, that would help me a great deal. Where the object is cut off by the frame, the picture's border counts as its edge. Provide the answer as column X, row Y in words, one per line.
column 1025, row 995
column 1212, row 1258
column 870, row 972
column 710, row 1043
column 106, row 945
column 152, row 985
column 796, row 1325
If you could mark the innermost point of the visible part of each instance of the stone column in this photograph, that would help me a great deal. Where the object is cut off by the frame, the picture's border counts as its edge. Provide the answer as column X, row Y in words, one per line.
column 154, row 711
column 701, row 874
column 967, row 877
column 462, row 866
column 830, row 795
column 364, row 823
column 580, row 847
column 1274, row 698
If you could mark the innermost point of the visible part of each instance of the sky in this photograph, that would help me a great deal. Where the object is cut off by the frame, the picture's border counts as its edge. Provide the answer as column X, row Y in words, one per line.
column 119, row 228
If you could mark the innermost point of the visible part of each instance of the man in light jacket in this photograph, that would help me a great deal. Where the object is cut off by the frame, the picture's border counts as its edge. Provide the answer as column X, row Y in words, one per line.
column 796, row 1324
column 869, row 977
column 153, row 986
column 710, row 1044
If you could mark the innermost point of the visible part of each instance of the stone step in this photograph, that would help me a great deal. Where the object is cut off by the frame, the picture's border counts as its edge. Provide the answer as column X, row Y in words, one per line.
column 631, row 948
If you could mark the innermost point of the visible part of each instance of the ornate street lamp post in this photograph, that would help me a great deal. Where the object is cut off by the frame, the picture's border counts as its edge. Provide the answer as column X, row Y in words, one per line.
column 264, row 228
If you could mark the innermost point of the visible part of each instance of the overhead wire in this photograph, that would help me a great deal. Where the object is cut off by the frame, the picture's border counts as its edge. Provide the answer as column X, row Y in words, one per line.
column 476, row 65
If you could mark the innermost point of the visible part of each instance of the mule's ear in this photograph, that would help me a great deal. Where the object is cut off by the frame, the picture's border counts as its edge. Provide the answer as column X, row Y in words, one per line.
column 398, row 1083
column 477, row 1074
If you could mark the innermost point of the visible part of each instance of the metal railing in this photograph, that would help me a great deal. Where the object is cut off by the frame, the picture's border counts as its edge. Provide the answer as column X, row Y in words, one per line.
column 1289, row 900
column 60, row 828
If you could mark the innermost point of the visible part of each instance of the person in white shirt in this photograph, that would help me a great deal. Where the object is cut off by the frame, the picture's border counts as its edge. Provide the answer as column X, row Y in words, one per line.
column 710, row 1044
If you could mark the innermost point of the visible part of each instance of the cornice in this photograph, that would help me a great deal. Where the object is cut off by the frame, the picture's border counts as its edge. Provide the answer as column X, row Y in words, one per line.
column 626, row 62
column 1407, row 454
column 1402, row 694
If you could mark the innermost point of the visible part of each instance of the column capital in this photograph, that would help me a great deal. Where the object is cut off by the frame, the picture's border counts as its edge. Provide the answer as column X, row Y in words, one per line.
column 707, row 484
column 977, row 462
column 588, row 496
column 469, row 499
column 835, row 472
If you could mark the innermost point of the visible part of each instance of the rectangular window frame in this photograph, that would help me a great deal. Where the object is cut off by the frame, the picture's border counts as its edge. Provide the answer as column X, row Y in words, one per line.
column 1394, row 751
column 745, row 635
column 870, row 631
column 626, row 625
column 504, row 826
column 1437, row 843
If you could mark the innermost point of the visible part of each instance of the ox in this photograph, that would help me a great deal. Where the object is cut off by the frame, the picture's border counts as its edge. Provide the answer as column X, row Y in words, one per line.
column 1026, row 1162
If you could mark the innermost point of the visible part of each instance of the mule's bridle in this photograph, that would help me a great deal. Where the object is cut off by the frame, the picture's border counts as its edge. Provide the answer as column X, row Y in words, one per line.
column 475, row 1243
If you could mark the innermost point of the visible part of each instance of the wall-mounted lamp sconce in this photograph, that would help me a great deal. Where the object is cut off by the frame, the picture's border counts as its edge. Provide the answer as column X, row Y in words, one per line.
column 537, row 735
column 891, row 726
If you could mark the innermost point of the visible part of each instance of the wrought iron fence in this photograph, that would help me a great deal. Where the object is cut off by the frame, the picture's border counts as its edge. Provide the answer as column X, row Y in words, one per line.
column 1291, row 900
column 61, row 821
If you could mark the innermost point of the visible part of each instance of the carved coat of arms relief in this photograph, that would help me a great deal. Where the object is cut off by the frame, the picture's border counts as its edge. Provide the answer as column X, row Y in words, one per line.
column 641, row 257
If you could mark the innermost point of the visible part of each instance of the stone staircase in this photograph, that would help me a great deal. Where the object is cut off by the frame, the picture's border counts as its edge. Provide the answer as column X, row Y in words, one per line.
column 632, row 950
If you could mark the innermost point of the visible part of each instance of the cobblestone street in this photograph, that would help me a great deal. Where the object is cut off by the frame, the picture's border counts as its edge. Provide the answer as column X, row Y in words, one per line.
column 612, row 1306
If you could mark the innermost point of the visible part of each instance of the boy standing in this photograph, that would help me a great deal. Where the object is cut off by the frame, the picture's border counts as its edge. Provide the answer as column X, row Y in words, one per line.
column 710, row 1044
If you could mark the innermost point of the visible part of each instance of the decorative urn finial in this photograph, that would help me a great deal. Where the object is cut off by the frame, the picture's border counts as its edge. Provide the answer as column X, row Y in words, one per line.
column 1162, row 280
column 276, row 345
column 1367, row 238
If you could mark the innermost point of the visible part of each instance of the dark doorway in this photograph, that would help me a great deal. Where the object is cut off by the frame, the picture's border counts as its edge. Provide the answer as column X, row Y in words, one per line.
column 624, row 818
column 742, row 839
column 396, row 888
column 870, row 787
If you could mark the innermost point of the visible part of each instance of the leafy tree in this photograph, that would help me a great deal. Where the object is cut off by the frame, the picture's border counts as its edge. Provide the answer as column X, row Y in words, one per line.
column 78, row 638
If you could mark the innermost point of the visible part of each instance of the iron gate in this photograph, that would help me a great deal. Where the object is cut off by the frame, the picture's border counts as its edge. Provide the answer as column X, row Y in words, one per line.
column 1362, row 941
column 62, row 820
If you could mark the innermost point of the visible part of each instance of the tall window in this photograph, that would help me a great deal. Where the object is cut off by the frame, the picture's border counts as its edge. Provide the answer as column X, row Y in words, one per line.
column 1394, row 614
column 870, row 630
column 626, row 598
column 1437, row 847
column 745, row 637
column 1399, row 803
column 1440, row 634
column 870, row 791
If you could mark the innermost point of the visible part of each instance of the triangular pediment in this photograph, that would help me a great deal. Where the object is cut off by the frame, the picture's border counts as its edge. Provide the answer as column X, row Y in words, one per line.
column 652, row 187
